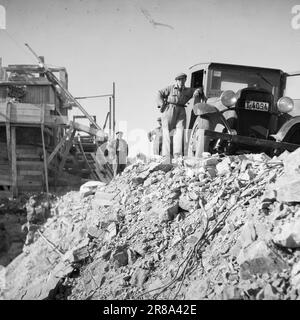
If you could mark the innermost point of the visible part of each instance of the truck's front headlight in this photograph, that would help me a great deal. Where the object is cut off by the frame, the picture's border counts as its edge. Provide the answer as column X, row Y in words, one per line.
column 285, row 104
column 228, row 98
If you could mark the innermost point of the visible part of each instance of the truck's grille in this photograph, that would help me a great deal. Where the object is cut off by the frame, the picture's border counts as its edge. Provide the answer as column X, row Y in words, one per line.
column 254, row 112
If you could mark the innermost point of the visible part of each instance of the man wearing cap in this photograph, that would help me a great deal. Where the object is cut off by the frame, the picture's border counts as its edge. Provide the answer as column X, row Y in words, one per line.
column 172, row 103
column 157, row 134
column 118, row 148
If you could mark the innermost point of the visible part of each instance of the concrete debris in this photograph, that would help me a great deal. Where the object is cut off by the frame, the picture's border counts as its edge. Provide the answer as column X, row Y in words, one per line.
column 258, row 258
column 90, row 188
column 231, row 219
column 289, row 237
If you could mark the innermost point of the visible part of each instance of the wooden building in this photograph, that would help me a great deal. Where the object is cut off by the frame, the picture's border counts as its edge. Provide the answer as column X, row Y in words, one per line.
column 35, row 132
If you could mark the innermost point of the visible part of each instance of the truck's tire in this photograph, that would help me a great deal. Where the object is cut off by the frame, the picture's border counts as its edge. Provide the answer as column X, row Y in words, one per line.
column 198, row 143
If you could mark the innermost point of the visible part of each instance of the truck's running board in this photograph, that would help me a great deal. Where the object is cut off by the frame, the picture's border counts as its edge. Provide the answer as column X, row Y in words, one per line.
column 252, row 141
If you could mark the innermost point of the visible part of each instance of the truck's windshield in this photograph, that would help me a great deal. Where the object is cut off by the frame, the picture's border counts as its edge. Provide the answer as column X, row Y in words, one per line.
column 223, row 78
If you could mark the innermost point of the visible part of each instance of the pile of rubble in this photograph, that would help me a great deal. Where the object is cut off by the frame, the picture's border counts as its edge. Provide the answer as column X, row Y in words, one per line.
column 209, row 228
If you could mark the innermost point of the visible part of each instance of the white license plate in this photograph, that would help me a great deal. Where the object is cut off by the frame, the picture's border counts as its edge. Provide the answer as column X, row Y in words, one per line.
column 256, row 105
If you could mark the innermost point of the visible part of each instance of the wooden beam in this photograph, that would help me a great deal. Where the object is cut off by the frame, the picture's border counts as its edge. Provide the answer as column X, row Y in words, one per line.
column 14, row 162
column 44, row 149
column 66, row 152
column 60, row 144
column 7, row 124
column 86, row 129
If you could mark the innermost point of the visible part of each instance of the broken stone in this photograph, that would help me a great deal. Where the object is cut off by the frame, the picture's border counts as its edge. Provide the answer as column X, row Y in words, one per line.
column 103, row 199
column 270, row 293
column 139, row 277
column 231, row 293
column 247, row 175
column 289, row 236
column 258, row 259
column 295, row 276
column 198, row 290
column 248, row 234
column 186, row 204
column 211, row 171
column 120, row 257
column 94, row 232
column 165, row 212
column 269, row 196
column 111, row 232
column 288, row 188
column 80, row 254
column 223, row 167
column 90, row 188
column 291, row 162
column 132, row 256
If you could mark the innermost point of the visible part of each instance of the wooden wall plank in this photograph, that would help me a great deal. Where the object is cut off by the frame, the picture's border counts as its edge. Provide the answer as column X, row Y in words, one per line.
column 14, row 162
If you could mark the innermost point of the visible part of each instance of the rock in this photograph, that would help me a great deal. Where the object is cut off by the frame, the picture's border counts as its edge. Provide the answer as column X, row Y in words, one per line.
column 94, row 232
column 289, row 237
column 248, row 234
column 223, row 167
column 269, row 196
column 291, row 163
column 120, row 256
column 288, row 188
column 139, row 277
column 295, row 276
column 111, row 232
column 90, row 188
column 248, row 175
column 231, row 293
column 197, row 290
column 185, row 203
column 270, row 293
column 132, row 256
column 103, row 199
column 258, row 259
column 166, row 212
column 211, row 171
column 106, row 254
column 80, row 252
column 138, row 180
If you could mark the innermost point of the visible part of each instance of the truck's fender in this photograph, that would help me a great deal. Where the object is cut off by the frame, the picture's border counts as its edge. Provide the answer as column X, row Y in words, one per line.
column 286, row 127
column 211, row 112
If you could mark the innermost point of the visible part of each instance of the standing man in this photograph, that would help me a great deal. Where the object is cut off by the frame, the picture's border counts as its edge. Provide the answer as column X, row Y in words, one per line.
column 172, row 103
column 119, row 151
column 157, row 133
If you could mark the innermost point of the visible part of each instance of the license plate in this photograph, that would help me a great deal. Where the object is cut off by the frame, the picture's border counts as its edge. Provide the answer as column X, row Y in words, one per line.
column 256, row 105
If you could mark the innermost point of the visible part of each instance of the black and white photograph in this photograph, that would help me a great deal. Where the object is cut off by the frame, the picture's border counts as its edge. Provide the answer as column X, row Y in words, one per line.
column 149, row 153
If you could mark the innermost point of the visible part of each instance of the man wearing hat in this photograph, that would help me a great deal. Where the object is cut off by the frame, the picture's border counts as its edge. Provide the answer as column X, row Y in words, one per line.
column 172, row 103
column 157, row 134
column 118, row 148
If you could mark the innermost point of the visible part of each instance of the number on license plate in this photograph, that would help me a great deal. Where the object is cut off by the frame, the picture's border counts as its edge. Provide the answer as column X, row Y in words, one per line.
column 256, row 105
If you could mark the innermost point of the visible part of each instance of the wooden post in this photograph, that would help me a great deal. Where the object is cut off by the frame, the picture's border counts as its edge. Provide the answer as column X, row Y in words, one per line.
column 7, row 124
column 44, row 148
column 110, row 117
column 114, row 109
column 66, row 152
column 14, row 162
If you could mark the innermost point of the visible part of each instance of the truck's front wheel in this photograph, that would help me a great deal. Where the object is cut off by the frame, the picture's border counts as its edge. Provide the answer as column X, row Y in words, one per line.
column 198, row 143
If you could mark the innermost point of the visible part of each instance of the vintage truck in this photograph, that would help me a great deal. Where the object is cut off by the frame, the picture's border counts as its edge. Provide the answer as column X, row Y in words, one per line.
column 244, row 109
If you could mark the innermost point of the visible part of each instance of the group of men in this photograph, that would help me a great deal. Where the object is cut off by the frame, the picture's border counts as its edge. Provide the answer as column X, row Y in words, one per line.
column 172, row 102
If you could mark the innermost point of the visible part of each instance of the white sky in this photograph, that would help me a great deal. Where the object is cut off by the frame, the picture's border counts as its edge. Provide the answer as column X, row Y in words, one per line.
column 101, row 41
